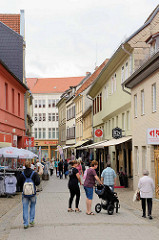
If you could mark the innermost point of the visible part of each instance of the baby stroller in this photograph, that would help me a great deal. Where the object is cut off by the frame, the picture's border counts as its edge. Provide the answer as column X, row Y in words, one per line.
column 109, row 199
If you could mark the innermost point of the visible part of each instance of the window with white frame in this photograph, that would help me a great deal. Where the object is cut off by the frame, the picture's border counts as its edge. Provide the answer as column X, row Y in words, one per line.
column 154, row 97
column 53, row 133
column 35, row 133
column 43, row 103
column 35, row 117
column 53, row 117
column 142, row 102
column 112, row 123
column 39, row 103
column 57, row 133
column 116, row 121
column 123, row 121
column 36, row 103
column 49, row 117
column 40, row 117
column 135, row 105
column 44, row 133
column 39, row 133
column 112, row 84
column 126, row 70
column 53, row 102
column 122, row 74
column 49, row 133
column 44, row 117
column 128, row 120
column 57, row 117
column 49, row 103
column 115, row 82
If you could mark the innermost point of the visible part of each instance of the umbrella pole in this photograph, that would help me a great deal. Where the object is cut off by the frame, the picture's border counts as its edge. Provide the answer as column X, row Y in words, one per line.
column 4, row 166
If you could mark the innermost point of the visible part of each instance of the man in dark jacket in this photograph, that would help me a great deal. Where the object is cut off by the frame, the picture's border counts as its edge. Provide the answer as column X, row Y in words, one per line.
column 60, row 167
column 28, row 200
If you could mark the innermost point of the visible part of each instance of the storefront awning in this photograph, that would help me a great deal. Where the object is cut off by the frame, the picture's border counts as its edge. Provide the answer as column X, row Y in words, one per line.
column 92, row 145
column 80, row 143
column 63, row 147
column 113, row 142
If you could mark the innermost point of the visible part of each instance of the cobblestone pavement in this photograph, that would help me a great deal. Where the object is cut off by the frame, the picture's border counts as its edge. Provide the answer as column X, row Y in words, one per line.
column 54, row 222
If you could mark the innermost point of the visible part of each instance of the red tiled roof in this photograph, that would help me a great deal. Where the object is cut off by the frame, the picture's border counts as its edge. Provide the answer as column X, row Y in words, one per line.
column 94, row 75
column 12, row 21
column 52, row 85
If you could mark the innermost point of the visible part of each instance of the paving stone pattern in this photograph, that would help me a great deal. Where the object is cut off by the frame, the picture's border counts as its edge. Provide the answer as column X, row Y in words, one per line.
column 54, row 222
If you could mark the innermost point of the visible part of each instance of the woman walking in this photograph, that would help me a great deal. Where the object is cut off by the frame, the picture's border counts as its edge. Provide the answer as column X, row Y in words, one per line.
column 146, row 187
column 79, row 168
column 89, row 184
column 73, row 186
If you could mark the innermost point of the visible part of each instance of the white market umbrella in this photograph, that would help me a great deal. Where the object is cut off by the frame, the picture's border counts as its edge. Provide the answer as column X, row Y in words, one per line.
column 26, row 154
column 9, row 152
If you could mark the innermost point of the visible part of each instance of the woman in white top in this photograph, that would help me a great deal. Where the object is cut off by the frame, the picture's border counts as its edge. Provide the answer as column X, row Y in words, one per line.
column 146, row 187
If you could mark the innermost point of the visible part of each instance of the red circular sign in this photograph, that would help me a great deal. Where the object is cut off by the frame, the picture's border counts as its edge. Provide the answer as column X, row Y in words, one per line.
column 98, row 133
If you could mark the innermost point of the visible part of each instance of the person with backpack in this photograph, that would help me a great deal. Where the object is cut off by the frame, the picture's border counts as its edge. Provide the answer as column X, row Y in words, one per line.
column 27, row 181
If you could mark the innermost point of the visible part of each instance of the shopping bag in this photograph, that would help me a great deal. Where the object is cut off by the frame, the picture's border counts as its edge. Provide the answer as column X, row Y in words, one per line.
column 57, row 174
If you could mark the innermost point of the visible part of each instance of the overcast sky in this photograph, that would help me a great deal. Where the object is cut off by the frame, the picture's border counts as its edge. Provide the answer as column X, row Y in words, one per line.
column 69, row 37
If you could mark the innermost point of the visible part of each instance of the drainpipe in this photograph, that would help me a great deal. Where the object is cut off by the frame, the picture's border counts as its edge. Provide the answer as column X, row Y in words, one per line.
column 131, row 68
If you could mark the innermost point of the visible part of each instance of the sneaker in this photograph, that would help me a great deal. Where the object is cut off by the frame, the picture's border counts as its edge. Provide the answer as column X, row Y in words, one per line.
column 150, row 217
column 26, row 226
column 32, row 224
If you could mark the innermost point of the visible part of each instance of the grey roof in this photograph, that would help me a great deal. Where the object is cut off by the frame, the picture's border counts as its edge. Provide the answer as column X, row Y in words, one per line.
column 11, row 50
column 153, row 14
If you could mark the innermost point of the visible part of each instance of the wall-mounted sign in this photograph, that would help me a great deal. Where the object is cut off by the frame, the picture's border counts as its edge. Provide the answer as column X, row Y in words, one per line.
column 28, row 141
column 116, row 133
column 98, row 133
column 153, row 136
column 14, row 141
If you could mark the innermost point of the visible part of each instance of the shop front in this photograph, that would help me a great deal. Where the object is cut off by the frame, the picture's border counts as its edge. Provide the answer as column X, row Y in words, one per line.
column 48, row 148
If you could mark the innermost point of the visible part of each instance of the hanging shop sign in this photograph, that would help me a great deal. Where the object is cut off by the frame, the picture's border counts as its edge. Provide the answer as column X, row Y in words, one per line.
column 153, row 136
column 98, row 133
column 116, row 133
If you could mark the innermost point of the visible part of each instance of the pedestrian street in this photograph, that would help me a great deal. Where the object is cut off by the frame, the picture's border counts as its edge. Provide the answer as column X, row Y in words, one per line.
column 53, row 222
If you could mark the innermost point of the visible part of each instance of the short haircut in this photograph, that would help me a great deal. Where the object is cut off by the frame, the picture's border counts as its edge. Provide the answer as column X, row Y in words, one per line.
column 108, row 164
column 73, row 162
column 94, row 163
column 145, row 172
column 28, row 163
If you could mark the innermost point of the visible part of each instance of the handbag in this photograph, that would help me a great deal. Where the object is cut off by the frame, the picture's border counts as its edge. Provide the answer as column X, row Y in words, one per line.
column 136, row 196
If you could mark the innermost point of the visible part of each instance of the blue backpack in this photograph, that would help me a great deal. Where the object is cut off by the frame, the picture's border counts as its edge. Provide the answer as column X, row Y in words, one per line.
column 29, row 186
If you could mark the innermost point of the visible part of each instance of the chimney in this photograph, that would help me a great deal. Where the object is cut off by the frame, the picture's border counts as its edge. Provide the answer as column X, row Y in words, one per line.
column 22, row 24
column 88, row 73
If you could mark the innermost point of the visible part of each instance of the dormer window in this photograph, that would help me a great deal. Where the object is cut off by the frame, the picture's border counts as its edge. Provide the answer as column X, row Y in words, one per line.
column 154, row 43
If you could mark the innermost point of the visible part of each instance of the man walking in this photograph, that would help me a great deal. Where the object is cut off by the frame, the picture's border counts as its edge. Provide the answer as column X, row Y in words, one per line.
column 60, row 167
column 28, row 180
column 108, row 176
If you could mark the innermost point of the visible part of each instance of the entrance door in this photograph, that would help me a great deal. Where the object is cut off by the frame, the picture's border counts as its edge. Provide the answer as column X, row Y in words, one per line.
column 157, row 172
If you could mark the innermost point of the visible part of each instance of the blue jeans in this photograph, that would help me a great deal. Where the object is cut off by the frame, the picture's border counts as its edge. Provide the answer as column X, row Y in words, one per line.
column 26, row 201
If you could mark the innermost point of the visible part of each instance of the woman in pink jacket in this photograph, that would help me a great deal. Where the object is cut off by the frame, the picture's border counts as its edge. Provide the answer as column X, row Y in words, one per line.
column 146, row 187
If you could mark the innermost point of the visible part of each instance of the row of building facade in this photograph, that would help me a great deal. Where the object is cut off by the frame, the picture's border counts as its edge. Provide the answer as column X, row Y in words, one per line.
column 16, row 98
column 119, row 100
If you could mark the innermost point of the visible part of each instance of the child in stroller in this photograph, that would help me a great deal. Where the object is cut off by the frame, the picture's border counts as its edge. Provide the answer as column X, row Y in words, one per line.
column 109, row 199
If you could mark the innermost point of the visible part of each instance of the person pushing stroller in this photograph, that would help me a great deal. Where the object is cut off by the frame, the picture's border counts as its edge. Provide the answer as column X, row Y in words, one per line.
column 108, row 177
